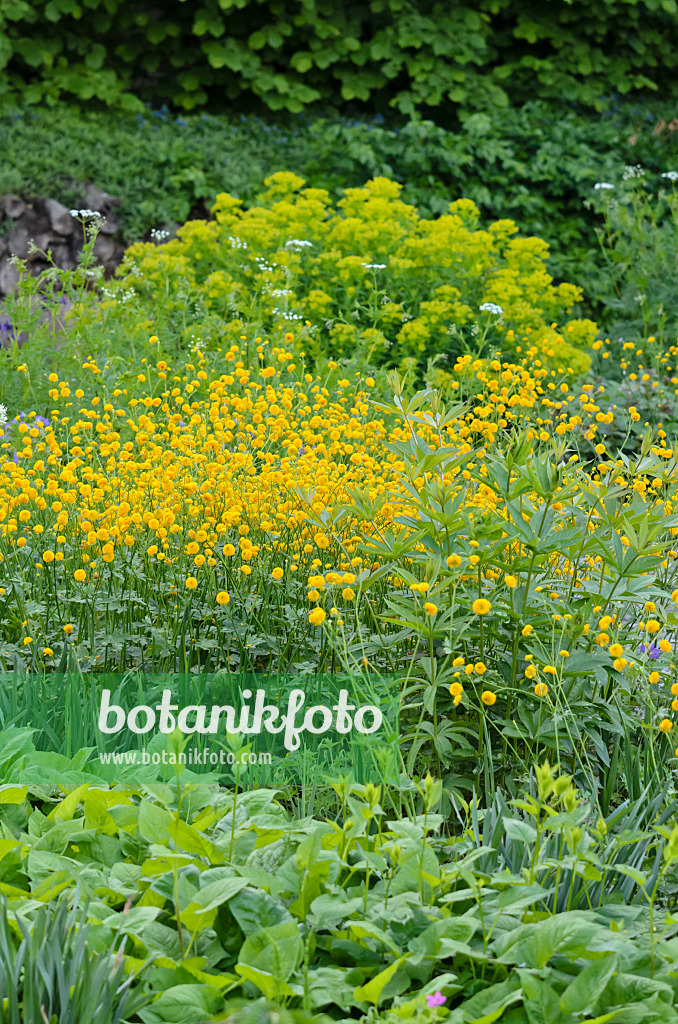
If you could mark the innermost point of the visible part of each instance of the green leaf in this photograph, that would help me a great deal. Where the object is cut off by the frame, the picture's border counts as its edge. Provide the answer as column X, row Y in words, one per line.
column 583, row 993
column 184, row 1004
column 371, row 992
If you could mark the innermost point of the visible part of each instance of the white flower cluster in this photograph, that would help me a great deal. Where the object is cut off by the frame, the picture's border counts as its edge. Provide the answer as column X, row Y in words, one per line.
column 237, row 243
column 602, row 185
column 3, row 415
column 86, row 214
column 491, row 307
column 287, row 316
column 374, row 266
column 281, row 292
column 263, row 265
column 633, row 171
column 298, row 243
column 671, row 175
column 158, row 234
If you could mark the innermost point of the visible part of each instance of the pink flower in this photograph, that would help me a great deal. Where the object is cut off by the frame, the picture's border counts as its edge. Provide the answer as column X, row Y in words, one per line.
column 437, row 999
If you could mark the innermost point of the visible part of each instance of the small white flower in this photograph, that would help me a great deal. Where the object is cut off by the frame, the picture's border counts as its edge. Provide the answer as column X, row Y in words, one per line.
column 374, row 266
column 602, row 184
column 281, row 292
column 491, row 307
column 86, row 214
column 3, row 414
column 631, row 171
column 671, row 175
column 298, row 243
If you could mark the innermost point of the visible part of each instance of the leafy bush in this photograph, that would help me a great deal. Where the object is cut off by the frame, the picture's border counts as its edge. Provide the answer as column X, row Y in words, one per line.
column 536, row 165
column 399, row 53
column 379, row 276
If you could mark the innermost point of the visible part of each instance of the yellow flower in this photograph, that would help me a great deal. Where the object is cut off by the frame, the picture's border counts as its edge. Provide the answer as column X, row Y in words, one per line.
column 481, row 606
column 246, row 570
column 664, row 645
column 652, row 626
column 48, row 556
column 456, row 689
column 619, row 664
column 674, row 595
column 616, row 650
column 317, row 617
column 79, row 575
column 459, row 660
column 223, row 597
column 454, row 561
column 348, row 594
column 550, row 670
column 531, row 672
column 277, row 574
column 489, row 698
column 511, row 581
column 430, row 608
column 526, row 630
column 68, row 629
column 654, row 677
column 541, row 689
column 191, row 583
column 28, row 640
column 479, row 668
column 666, row 725
column 48, row 652
column 605, row 622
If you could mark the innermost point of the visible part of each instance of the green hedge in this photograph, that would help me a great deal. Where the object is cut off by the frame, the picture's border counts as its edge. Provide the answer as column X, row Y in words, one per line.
column 289, row 54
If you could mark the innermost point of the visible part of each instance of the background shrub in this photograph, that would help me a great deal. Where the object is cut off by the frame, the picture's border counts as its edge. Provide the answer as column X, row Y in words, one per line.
column 287, row 55
column 530, row 165
column 370, row 274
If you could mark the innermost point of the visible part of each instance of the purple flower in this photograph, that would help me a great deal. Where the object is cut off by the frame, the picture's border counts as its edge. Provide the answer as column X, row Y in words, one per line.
column 437, row 999
column 653, row 650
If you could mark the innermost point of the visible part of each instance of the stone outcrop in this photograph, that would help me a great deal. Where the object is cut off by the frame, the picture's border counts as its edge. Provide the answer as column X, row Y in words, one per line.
column 50, row 226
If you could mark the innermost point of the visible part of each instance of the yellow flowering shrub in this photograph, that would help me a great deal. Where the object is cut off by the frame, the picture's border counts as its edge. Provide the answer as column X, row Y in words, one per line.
column 367, row 272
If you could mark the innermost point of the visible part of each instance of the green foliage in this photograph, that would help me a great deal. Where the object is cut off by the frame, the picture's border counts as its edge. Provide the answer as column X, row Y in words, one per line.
column 378, row 277
column 50, row 975
column 218, row 900
column 535, row 165
column 284, row 56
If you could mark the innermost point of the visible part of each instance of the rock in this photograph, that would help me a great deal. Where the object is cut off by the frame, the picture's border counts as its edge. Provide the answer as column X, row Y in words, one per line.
column 9, row 277
column 110, row 226
column 108, row 251
column 97, row 199
column 18, row 241
column 59, row 218
column 13, row 206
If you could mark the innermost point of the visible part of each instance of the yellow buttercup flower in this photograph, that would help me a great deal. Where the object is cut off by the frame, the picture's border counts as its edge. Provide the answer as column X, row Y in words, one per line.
column 481, row 606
